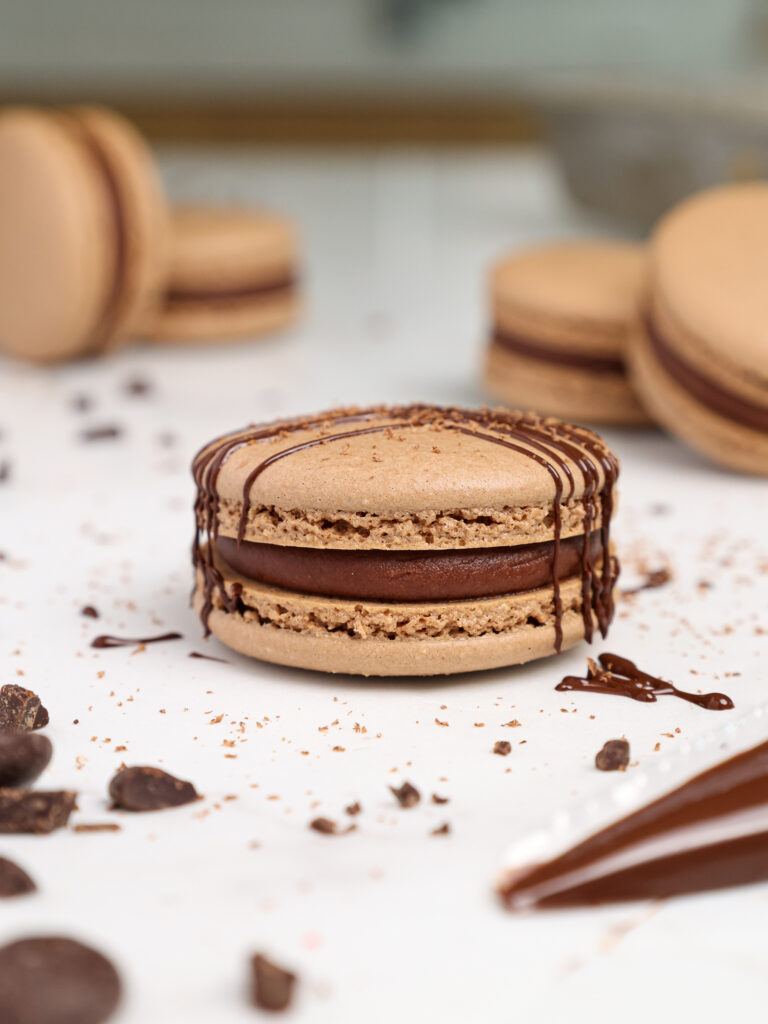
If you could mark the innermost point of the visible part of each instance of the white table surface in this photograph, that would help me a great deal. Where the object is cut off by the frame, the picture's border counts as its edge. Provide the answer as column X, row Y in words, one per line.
column 386, row 923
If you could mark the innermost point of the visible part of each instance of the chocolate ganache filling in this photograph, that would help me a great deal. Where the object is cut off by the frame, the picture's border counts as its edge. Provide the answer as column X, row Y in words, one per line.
column 264, row 289
column 713, row 396
column 443, row 575
column 556, row 354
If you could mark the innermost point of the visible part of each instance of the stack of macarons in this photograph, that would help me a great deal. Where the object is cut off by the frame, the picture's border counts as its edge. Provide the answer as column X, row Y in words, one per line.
column 674, row 332
column 91, row 255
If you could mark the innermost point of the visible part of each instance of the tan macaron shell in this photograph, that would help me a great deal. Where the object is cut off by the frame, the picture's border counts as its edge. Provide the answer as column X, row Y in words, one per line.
column 317, row 483
column 227, row 250
column 570, row 297
column 81, row 248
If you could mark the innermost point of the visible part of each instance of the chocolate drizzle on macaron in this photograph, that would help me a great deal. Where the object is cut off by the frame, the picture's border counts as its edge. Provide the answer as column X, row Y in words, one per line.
column 554, row 446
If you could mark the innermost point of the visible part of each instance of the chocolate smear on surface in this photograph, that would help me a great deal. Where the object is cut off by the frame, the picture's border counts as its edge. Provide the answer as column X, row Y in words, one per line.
column 709, row 833
column 121, row 641
column 21, row 709
column 272, row 986
column 622, row 678
column 143, row 788
column 14, row 881
column 55, row 980
column 613, row 757
column 406, row 795
column 502, row 747
column 548, row 443
column 34, row 811
column 24, row 756
column 653, row 580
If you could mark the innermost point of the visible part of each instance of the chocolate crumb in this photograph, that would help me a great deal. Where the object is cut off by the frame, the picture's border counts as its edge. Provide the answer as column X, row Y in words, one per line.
column 14, row 881
column 56, row 981
column 502, row 747
column 89, row 612
column 21, row 709
column 407, row 795
column 23, row 756
column 34, row 811
column 440, row 799
column 327, row 827
column 353, row 809
column 652, row 580
column 99, row 826
column 109, row 432
column 613, row 757
column 443, row 830
column 138, row 386
column 143, row 788
column 271, row 985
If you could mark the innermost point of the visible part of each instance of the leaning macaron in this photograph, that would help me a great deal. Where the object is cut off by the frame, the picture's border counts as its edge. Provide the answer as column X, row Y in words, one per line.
column 561, row 314
column 233, row 274
column 84, row 232
column 411, row 540
column 699, row 356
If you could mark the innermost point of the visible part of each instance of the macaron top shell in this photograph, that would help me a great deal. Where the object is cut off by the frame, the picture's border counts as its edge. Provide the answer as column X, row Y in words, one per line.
column 82, row 231
column 586, row 292
column 406, row 460
column 709, row 280
column 228, row 247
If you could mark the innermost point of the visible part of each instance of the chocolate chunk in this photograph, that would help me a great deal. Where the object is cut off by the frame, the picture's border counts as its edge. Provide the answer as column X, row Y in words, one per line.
column 353, row 809
column 407, row 795
column 23, row 756
column 56, row 981
column 502, row 747
column 37, row 811
column 442, row 830
column 21, row 709
column 271, row 986
column 105, row 433
column 14, row 881
column 440, row 799
column 324, row 825
column 613, row 757
column 142, row 788
column 89, row 612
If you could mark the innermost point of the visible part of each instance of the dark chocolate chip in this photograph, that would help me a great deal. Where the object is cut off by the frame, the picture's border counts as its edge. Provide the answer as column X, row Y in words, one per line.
column 34, row 811
column 14, row 881
column 407, row 795
column 89, row 612
column 56, row 981
column 502, row 747
column 23, row 756
column 613, row 757
column 21, row 709
column 142, row 788
column 436, row 799
column 353, row 809
column 271, row 986
column 106, row 433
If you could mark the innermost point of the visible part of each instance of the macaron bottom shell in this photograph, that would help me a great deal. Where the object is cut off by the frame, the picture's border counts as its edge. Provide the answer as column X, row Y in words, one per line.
column 722, row 440
column 569, row 392
column 392, row 639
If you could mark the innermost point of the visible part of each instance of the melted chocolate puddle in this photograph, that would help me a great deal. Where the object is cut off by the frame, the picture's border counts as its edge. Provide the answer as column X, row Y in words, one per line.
column 546, row 443
column 623, row 678
column 709, row 833
column 119, row 641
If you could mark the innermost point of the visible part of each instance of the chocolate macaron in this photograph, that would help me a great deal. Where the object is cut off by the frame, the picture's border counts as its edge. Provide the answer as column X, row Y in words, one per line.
column 699, row 356
column 84, row 232
column 561, row 314
column 412, row 540
column 233, row 273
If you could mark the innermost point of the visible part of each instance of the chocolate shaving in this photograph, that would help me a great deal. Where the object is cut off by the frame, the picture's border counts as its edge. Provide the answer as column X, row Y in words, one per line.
column 14, row 881
column 271, row 985
column 56, row 981
column 502, row 747
column 407, row 795
column 23, row 756
column 34, row 811
column 143, row 788
column 613, row 757
column 652, row 580
column 21, row 709
column 327, row 827
column 440, row 799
